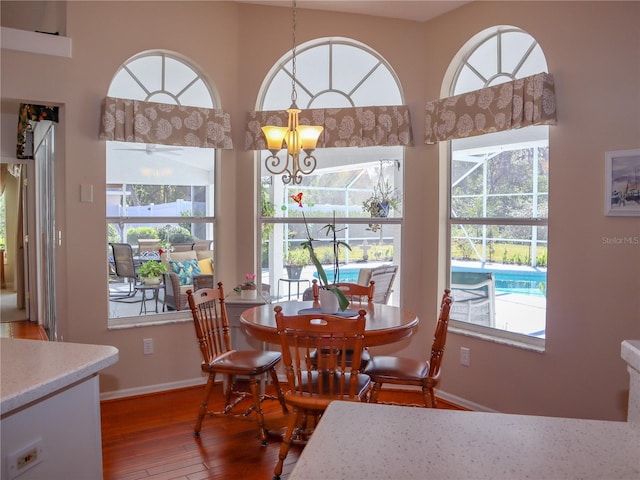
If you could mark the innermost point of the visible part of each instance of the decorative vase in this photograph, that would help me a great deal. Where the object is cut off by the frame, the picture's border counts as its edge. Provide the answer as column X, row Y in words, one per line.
column 328, row 301
column 151, row 280
column 248, row 293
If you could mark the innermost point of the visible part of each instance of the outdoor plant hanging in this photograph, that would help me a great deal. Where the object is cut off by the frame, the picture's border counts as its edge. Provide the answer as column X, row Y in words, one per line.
column 330, row 229
column 383, row 199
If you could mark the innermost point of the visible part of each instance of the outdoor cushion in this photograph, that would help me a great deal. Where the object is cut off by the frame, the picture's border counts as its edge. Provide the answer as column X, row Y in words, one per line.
column 185, row 270
column 204, row 254
column 179, row 256
column 206, row 265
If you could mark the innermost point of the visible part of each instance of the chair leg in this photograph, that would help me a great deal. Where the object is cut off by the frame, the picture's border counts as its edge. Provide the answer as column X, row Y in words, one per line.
column 286, row 442
column 203, row 406
column 375, row 391
column 228, row 392
column 255, row 391
column 276, row 384
column 429, row 397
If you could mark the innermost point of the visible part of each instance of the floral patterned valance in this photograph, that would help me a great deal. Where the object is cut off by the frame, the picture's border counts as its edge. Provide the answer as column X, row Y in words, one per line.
column 164, row 124
column 31, row 113
column 343, row 127
column 519, row 103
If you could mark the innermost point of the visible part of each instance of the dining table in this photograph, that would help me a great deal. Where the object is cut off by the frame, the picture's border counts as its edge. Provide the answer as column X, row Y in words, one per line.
column 384, row 323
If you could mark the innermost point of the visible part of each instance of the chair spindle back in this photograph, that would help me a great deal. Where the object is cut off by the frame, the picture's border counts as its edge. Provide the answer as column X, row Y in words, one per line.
column 440, row 336
column 327, row 374
column 210, row 321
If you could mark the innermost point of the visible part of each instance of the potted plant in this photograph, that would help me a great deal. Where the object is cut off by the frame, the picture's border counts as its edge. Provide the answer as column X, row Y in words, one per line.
column 248, row 289
column 296, row 260
column 325, row 286
column 150, row 272
column 383, row 199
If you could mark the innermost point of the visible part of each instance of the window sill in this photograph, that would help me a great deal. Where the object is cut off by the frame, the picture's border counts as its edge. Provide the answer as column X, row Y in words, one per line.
column 149, row 320
column 515, row 340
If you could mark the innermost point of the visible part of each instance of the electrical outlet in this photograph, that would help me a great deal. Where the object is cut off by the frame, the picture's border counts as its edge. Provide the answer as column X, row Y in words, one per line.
column 147, row 345
column 24, row 459
column 465, row 356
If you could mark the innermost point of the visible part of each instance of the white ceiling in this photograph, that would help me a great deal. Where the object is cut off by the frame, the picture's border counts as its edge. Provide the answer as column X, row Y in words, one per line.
column 420, row 10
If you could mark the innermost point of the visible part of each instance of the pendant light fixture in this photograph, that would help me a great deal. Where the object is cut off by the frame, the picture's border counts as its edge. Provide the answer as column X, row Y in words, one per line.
column 296, row 137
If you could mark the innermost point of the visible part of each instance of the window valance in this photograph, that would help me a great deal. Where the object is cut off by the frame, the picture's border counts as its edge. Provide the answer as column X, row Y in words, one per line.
column 127, row 120
column 520, row 103
column 28, row 113
column 343, row 127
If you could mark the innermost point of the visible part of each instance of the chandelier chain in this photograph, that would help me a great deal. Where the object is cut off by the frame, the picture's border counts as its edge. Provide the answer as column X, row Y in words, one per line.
column 294, row 94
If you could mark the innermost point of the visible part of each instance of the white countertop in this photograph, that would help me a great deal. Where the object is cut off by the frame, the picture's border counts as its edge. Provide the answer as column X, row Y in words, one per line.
column 361, row 440
column 32, row 369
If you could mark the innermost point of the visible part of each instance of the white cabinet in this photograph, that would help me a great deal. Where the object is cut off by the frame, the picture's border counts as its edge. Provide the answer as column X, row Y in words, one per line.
column 50, row 409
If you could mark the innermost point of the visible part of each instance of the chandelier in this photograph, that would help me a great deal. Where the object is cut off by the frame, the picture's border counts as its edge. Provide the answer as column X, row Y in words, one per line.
column 296, row 137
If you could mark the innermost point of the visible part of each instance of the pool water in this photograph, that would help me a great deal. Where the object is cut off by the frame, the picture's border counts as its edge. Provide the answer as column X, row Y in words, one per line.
column 523, row 282
column 347, row 274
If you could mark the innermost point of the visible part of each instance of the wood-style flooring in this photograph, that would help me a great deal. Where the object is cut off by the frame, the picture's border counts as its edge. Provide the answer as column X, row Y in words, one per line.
column 151, row 437
column 22, row 329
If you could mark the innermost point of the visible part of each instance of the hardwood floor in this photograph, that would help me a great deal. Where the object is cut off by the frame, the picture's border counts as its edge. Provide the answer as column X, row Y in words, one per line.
column 151, row 437
column 22, row 329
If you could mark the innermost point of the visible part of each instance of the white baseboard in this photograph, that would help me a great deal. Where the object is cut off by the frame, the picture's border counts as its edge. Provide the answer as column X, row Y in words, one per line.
column 162, row 387
column 132, row 392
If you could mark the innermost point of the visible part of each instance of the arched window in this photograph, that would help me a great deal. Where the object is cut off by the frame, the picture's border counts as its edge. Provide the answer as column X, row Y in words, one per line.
column 159, row 196
column 333, row 73
column 499, row 201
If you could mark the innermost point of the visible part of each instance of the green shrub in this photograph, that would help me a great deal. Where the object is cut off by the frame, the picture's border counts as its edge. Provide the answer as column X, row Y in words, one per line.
column 135, row 234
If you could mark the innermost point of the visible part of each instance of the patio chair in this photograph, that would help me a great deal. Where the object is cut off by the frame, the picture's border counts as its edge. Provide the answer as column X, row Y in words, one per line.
column 177, row 280
column 124, row 267
column 470, row 291
column 383, row 276
column 411, row 371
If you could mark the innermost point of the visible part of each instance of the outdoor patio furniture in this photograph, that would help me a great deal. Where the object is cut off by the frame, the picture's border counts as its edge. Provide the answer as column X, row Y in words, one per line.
column 180, row 277
column 124, row 267
column 471, row 290
column 383, row 276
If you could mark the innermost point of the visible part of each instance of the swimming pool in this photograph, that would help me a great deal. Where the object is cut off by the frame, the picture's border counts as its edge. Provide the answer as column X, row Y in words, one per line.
column 514, row 281
column 524, row 281
column 347, row 274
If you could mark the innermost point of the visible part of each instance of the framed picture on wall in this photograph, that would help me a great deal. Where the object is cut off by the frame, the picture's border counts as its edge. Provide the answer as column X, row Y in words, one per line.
column 622, row 187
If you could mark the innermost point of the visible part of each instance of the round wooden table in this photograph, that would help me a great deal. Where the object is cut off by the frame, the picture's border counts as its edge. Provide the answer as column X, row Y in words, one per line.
column 385, row 323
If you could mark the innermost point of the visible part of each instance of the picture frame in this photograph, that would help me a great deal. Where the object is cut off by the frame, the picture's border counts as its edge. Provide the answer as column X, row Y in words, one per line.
column 622, row 183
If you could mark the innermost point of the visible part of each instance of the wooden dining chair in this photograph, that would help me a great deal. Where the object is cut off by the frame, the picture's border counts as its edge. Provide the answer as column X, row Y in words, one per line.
column 409, row 371
column 212, row 330
column 310, row 390
column 355, row 293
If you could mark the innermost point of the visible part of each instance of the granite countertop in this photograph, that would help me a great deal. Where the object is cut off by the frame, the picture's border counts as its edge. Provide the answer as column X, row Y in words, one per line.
column 386, row 441
column 374, row 441
column 33, row 369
